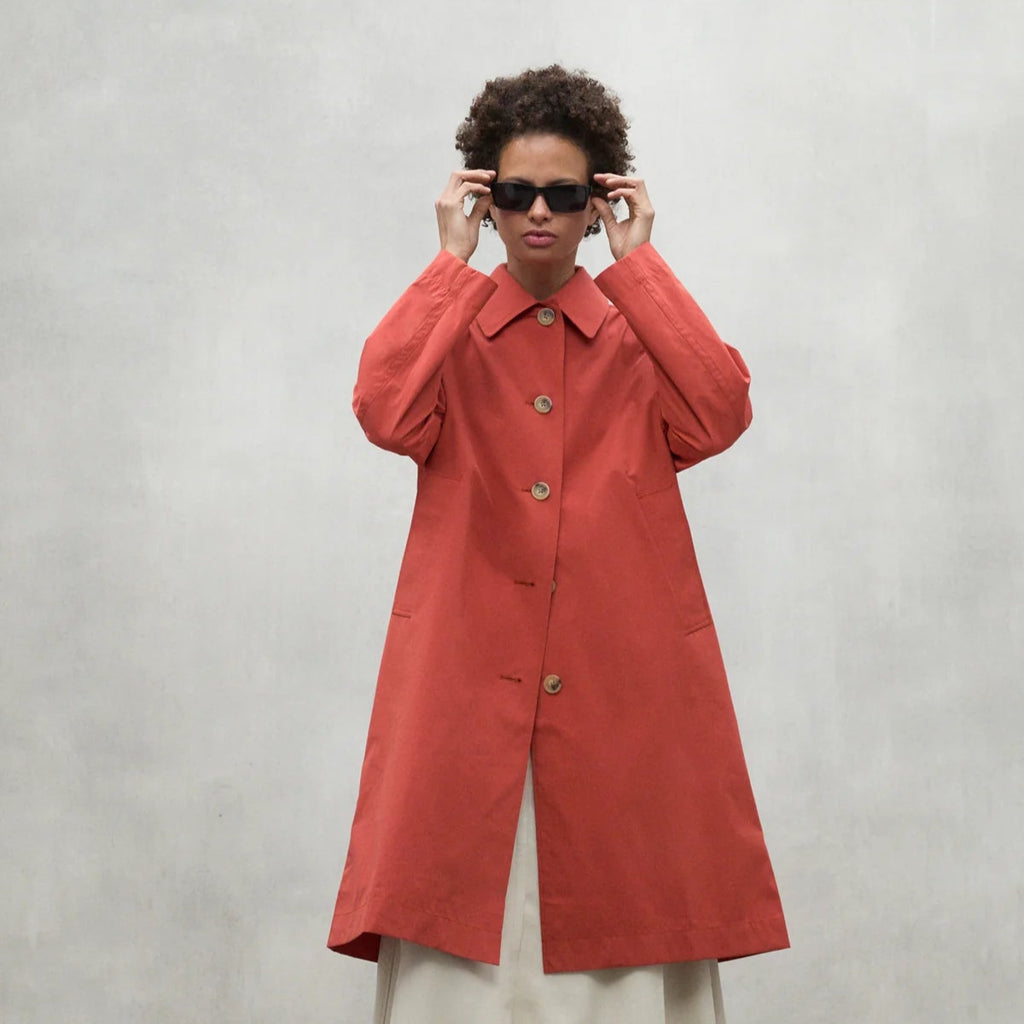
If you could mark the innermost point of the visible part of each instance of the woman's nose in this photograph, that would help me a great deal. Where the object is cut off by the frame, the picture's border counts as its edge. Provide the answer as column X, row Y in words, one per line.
column 539, row 210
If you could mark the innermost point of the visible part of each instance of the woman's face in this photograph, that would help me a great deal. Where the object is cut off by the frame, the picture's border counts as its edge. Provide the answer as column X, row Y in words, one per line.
column 538, row 235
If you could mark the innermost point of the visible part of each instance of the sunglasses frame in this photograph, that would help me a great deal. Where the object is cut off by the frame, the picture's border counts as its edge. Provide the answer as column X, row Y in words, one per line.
column 575, row 201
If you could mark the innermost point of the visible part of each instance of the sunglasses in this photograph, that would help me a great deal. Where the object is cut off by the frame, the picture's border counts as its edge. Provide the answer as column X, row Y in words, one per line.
column 519, row 197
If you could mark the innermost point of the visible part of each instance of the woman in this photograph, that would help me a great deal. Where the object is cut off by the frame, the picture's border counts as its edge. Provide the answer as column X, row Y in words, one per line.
column 554, row 819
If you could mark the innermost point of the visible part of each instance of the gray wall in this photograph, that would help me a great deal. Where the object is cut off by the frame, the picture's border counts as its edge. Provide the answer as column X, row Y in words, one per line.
column 207, row 206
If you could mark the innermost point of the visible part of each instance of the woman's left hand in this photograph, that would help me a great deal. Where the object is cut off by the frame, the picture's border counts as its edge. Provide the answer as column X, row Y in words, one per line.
column 625, row 235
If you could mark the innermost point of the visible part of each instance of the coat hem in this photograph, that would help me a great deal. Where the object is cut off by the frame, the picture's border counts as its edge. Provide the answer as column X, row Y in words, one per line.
column 358, row 933
column 722, row 942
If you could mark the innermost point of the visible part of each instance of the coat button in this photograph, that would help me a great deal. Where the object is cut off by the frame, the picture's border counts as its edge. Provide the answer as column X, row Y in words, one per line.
column 540, row 490
column 546, row 317
column 542, row 403
column 552, row 684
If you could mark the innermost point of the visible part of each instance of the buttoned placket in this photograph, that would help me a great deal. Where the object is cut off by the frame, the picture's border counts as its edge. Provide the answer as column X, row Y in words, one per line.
column 541, row 490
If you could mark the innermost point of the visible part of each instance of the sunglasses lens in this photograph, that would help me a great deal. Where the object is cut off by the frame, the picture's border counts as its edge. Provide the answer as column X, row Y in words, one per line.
column 567, row 198
column 512, row 195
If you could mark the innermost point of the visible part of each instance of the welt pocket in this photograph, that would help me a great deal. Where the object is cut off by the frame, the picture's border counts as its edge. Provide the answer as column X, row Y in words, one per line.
column 428, row 542
column 670, row 539
column 703, row 621
column 450, row 474
column 645, row 490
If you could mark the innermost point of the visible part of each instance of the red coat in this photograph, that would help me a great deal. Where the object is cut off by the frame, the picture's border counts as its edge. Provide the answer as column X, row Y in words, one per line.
column 549, row 599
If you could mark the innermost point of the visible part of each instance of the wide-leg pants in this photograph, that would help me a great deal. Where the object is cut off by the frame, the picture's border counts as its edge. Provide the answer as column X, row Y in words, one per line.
column 418, row 985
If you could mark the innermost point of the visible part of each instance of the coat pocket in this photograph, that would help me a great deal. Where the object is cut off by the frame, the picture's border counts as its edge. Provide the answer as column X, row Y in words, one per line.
column 428, row 547
column 670, row 539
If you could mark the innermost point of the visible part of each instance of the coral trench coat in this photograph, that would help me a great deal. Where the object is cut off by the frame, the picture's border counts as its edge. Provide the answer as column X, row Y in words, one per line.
column 549, row 603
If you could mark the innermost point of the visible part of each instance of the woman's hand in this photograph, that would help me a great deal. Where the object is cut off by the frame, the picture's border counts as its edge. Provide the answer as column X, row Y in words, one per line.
column 459, row 230
column 625, row 235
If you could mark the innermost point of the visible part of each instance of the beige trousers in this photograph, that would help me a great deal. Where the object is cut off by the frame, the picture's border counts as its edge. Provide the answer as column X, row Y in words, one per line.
column 418, row 985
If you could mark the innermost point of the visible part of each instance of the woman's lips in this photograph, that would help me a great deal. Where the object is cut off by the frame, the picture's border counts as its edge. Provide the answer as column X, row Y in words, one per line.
column 540, row 239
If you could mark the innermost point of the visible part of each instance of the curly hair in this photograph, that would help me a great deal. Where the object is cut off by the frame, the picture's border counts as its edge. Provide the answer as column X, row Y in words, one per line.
column 550, row 100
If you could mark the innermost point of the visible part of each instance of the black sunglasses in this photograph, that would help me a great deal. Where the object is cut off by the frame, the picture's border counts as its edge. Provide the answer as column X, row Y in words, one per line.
column 518, row 196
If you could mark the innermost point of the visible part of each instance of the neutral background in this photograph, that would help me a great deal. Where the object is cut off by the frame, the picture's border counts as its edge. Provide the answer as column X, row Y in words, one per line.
column 206, row 206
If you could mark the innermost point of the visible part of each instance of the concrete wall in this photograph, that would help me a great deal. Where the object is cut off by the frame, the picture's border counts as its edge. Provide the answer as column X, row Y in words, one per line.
column 207, row 206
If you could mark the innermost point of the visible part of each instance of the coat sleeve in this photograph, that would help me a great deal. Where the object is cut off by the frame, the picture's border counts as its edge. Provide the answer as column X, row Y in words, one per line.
column 702, row 382
column 399, row 394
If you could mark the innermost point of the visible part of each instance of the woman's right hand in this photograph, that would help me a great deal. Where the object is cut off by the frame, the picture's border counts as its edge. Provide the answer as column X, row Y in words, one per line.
column 459, row 230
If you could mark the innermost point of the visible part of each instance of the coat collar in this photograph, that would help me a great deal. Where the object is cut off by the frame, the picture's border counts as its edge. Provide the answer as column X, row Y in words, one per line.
column 579, row 299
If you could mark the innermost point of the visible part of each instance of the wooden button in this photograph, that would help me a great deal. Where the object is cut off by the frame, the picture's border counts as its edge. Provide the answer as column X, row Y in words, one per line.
column 546, row 317
column 552, row 684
